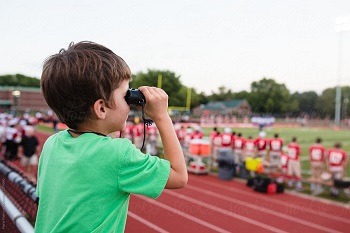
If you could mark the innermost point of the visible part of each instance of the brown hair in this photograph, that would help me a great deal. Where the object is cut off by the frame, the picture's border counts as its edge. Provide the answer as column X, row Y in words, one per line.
column 74, row 79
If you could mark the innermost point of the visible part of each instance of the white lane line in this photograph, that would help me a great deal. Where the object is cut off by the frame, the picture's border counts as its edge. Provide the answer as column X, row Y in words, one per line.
column 262, row 209
column 223, row 211
column 269, row 199
column 147, row 223
column 183, row 214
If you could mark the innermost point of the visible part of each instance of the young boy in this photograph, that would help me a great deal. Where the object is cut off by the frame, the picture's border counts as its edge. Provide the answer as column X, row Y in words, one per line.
column 85, row 178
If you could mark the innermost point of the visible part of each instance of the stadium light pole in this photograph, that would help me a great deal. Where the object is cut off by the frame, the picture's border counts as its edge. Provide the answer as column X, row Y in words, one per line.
column 342, row 25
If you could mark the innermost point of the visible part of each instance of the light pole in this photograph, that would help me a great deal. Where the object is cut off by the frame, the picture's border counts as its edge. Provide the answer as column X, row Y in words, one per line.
column 345, row 107
column 16, row 94
column 342, row 25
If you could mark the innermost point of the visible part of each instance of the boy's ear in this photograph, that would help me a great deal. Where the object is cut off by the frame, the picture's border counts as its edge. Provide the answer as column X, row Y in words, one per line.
column 100, row 109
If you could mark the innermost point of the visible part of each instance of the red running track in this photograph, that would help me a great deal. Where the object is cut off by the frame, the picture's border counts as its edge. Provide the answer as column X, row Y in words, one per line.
column 208, row 204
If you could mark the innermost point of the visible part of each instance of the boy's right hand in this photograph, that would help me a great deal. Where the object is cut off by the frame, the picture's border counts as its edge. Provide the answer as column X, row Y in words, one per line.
column 156, row 102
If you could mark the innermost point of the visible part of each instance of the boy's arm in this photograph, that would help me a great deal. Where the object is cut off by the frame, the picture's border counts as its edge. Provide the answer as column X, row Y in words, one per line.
column 157, row 109
column 172, row 151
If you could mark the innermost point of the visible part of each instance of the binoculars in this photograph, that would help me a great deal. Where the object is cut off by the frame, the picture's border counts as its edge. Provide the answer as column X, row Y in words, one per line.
column 135, row 97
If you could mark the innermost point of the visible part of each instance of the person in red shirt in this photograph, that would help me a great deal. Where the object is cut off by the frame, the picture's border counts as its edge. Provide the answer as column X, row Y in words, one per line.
column 336, row 160
column 249, row 148
column 152, row 136
column 127, row 132
column 181, row 134
column 317, row 165
column 238, row 145
column 137, row 132
column 197, row 134
column 294, row 169
column 226, row 138
column 284, row 164
column 215, row 143
column 261, row 145
column 274, row 157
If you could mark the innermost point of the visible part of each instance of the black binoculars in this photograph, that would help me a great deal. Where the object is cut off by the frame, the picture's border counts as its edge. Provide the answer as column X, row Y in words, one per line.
column 135, row 97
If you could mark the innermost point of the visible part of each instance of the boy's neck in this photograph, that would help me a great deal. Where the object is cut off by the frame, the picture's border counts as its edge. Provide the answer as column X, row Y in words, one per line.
column 87, row 127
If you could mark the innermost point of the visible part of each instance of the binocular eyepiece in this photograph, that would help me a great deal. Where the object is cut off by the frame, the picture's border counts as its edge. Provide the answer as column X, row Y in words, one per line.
column 135, row 97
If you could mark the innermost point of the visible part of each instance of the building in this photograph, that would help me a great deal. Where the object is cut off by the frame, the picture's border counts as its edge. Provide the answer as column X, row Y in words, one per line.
column 230, row 107
column 22, row 99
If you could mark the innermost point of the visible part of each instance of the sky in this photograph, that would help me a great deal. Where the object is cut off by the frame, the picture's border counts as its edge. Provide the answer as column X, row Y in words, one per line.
column 207, row 43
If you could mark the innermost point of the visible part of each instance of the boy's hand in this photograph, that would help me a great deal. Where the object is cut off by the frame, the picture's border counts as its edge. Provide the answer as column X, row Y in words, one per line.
column 156, row 102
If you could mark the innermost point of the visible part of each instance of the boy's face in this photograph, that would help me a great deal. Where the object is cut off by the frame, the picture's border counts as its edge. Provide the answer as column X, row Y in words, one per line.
column 118, row 115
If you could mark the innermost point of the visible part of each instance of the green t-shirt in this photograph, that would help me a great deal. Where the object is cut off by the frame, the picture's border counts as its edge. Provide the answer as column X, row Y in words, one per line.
column 84, row 183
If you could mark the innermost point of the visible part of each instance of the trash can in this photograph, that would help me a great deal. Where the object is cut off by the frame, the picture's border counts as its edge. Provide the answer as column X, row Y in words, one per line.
column 225, row 164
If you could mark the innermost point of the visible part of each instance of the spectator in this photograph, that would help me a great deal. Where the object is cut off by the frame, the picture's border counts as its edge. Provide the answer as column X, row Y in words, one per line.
column 29, row 156
column 85, row 178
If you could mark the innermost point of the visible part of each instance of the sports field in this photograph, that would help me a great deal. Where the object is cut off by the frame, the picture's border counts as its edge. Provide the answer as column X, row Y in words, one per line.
column 306, row 137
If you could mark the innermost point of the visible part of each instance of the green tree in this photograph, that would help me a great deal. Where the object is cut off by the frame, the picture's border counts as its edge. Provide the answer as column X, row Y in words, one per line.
column 222, row 94
column 306, row 101
column 268, row 96
column 171, row 84
column 19, row 80
column 241, row 95
column 326, row 102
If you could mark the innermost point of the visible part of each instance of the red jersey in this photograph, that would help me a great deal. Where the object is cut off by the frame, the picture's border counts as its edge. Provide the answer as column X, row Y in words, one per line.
column 181, row 134
column 137, row 130
column 284, row 161
column 276, row 144
column 316, row 153
column 238, row 143
column 197, row 135
column 249, row 146
column 152, row 132
column 293, row 151
column 226, row 139
column 336, row 157
column 215, row 139
column 261, row 144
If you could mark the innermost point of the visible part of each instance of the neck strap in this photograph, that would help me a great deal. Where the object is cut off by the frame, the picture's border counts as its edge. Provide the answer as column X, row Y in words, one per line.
column 82, row 132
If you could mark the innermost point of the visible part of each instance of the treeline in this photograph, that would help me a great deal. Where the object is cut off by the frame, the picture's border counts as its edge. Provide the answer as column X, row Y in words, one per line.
column 265, row 96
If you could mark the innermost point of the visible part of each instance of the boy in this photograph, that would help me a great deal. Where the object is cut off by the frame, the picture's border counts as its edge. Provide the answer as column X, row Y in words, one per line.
column 85, row 178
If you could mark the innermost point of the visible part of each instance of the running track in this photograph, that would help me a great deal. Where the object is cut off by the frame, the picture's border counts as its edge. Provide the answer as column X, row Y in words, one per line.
column 208, row 204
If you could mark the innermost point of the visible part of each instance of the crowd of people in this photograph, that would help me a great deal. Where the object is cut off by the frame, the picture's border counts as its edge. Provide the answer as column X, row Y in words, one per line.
column 18, row 141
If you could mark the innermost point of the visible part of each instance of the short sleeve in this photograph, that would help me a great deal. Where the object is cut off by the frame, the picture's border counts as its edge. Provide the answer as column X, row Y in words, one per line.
column 142, row 173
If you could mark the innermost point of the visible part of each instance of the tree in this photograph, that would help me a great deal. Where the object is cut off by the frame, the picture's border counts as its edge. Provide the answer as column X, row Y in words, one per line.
column 19, row 80
column 171, row 84
column 268, row 96
column 222, row 94
column 306, row 100
column 326, row 102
